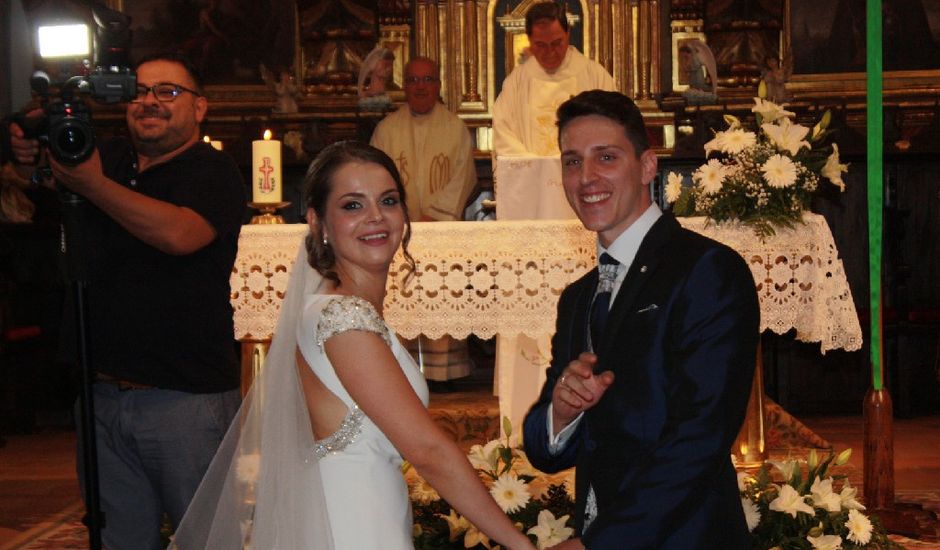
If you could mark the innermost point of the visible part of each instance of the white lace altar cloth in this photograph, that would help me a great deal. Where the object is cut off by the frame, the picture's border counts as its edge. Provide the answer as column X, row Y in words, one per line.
column 505, row 277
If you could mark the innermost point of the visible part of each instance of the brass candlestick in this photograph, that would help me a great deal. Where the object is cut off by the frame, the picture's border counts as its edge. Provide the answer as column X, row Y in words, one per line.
column 268, row 212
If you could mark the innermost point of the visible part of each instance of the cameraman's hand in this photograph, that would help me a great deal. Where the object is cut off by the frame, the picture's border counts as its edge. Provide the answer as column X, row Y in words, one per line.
column 80, row 178
column 25, row 151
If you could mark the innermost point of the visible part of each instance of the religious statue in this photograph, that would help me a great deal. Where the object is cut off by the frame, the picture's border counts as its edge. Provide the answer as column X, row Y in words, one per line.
column 774, row 78
column 373, row 79
column 285, row 88
column 697, row 63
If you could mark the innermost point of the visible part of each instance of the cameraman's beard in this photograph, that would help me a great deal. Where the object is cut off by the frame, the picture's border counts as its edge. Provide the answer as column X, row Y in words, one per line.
column 156, row 145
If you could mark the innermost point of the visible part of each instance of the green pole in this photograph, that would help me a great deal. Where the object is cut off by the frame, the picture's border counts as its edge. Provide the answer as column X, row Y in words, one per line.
column 875, row 128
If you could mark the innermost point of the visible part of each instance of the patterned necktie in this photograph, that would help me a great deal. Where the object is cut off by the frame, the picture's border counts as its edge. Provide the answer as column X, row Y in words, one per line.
column 607, row 273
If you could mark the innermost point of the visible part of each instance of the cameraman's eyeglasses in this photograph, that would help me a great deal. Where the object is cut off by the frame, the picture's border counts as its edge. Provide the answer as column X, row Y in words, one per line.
column 428, row 79
column 163, row 92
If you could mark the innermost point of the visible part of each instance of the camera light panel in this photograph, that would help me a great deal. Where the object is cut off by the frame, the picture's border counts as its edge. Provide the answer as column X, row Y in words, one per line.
column 63, row 41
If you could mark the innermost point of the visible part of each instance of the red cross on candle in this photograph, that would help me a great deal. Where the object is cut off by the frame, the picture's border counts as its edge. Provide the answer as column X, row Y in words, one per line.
column 266, row 170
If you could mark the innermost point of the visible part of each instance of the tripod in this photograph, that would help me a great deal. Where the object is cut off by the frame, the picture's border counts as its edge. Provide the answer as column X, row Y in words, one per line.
column 73, row 247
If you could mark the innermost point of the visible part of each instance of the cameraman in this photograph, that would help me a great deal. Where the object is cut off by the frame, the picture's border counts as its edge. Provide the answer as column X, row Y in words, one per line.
column 162, row 236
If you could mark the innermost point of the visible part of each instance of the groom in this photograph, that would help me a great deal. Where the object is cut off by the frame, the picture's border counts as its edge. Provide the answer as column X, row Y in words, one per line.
column 653, row 355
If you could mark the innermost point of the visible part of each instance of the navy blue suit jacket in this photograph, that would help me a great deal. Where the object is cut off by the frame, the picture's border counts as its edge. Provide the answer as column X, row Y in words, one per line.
column 681, row 340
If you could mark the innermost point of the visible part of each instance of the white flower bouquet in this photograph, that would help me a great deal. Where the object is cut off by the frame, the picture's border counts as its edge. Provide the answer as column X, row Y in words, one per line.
column 540, row 505
column 764, row 178
column 808, row 512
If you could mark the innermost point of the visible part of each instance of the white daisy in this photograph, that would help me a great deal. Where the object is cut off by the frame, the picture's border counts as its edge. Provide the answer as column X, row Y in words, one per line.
column 751, row 513
column 710, row 176
column 779, row 171
column 735, row 141
column 673, row 187
column 510, row 493
column 859, row 527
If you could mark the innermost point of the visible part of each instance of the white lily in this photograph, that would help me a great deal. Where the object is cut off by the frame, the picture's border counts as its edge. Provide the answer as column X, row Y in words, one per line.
column 789, row 501
column 474, row 537
column 786, row 468
column 824, row 497
column 550, row 531
column 485, row 457
column 712, row 145
column 826, row 542
column 457, row 524
column 787, row 136
column 847, row 495
column 833, row 169
column 769, row 111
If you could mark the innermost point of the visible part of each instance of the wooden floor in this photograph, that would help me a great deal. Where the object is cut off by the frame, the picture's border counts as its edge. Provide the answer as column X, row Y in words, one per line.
column 37, row 471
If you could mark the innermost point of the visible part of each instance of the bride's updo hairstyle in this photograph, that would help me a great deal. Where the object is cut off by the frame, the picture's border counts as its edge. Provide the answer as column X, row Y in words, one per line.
column 318, row 185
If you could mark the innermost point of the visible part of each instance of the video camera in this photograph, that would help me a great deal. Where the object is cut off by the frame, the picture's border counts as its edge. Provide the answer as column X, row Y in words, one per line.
column 65, row 125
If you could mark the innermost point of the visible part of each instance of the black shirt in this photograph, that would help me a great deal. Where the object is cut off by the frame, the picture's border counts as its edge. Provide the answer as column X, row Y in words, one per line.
column 156, row 318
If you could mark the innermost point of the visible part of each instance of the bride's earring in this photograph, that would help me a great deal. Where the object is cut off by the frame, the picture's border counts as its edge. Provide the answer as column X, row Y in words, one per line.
column 325, row 243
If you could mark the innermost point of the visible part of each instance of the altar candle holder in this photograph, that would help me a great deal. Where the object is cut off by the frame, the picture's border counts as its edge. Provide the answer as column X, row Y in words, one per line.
column 268, row 212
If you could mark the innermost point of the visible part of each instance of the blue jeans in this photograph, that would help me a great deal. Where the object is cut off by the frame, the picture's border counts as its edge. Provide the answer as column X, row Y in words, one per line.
column 154, row 446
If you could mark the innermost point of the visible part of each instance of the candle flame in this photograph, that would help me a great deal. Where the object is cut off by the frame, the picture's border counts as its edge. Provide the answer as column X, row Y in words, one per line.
column 267, row 135
column 206, row 139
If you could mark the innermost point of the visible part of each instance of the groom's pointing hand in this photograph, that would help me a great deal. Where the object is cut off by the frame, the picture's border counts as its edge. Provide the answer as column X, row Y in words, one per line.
column 578, row 389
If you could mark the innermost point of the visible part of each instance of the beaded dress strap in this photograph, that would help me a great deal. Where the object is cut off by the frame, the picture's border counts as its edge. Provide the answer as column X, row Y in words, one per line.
column 345, row 313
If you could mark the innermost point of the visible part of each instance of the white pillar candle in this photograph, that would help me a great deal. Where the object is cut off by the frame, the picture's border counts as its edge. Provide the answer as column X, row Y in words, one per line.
column 266, row 169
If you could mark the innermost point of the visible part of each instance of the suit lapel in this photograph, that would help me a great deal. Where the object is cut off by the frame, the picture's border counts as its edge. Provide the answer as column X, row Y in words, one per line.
column 648, row 257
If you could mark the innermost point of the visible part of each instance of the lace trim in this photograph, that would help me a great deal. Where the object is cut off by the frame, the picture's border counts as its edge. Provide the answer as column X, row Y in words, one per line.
column 345, row 313
column 343, row 437
column 505, row 277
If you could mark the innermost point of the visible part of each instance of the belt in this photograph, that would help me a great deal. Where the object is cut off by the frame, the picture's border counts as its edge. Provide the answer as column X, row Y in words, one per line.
column 123, row 385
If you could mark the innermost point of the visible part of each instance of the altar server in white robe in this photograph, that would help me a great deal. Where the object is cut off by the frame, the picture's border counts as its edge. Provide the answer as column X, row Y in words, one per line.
column 528, row 171
column 432, row 149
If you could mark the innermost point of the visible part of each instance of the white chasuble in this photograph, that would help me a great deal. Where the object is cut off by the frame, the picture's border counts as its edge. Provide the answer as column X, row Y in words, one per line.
column 433, row 154
column 524, row 112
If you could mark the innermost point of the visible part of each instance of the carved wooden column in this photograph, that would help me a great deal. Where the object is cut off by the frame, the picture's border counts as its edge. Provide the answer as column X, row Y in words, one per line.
column 471, row 61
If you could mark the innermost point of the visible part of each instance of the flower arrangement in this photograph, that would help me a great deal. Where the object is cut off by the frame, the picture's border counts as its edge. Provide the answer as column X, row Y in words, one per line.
column 765, row 178
column 540, row 505
column 808, row 512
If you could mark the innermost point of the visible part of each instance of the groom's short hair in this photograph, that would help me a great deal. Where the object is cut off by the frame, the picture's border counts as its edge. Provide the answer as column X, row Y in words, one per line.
column 613, row 105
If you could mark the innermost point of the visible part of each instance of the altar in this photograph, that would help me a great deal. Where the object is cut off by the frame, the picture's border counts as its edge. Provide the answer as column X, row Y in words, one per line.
column 505, row 277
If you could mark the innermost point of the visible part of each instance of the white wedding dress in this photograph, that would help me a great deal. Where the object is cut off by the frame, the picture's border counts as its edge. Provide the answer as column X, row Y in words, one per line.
column 271, row 485
column 366, row 495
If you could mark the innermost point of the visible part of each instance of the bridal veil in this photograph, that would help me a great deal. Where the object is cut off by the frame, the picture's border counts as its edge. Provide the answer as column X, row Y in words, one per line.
column 263, row 489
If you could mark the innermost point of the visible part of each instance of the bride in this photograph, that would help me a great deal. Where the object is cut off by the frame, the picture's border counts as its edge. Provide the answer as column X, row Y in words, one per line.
column 313, row 460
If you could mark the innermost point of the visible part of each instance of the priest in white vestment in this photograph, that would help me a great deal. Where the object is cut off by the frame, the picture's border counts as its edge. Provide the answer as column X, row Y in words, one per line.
column 432, row 149
column 528, row 172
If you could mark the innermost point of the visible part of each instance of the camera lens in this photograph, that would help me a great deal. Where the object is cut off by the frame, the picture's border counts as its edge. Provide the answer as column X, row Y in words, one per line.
column 71, row 140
